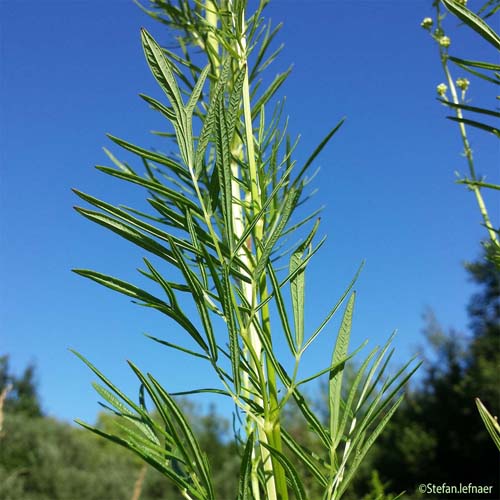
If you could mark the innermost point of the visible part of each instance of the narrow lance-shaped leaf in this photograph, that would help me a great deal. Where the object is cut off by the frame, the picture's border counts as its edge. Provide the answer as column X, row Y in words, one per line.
column 297, row 287
column 340, row 352
column 209, row 121
column 366, row 447
column 333, row 310
column 195, row 96
column 147, row 457
column 127, row 232
column 349, row 410
column 289, row 204
column 234, row 103
column 224, row 173
column 162, row 70
column 244, row 483
column 290, row 472
column 148, row 299
column 172, row 195
column 473, row 123
column 305, row 456
column 199, row 295
column 234, row 346
column 319, row 148
column 473, row 21
column 178, row 427
column 490, row 422
column 280, row 304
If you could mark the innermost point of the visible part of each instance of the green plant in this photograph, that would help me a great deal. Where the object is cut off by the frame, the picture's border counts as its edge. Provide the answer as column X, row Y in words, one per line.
column 222, row 211
column 487, row 71
column 490, row 422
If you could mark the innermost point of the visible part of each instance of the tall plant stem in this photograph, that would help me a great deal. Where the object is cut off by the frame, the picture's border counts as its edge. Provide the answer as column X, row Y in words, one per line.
column 251, row 291
column 465, row 141
column 468, row 155
column 252, row 346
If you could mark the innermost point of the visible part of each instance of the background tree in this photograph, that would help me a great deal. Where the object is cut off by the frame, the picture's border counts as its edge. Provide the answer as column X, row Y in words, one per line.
column 42, row 458
column 21, row 396
column 438, row 436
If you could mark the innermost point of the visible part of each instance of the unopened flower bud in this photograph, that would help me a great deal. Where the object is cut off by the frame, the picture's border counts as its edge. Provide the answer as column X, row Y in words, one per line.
column 441, row 89
column 438, row 33
column 427, row 23
column 463, row 84
column 444, row 41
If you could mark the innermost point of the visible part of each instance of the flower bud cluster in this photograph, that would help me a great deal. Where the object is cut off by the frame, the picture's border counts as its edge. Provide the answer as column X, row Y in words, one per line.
column 444, row 41
column 441, row 89
column 427, row 23
column 462, row 84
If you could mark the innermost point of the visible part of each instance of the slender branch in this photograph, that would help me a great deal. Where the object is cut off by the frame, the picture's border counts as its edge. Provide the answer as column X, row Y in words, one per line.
column 443, row 52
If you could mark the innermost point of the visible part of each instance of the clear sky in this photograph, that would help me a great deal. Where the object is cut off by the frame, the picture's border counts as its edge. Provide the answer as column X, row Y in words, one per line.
column 72, row 70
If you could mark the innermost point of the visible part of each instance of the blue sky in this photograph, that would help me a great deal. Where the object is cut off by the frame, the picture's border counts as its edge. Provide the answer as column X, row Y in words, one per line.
column 71, row 71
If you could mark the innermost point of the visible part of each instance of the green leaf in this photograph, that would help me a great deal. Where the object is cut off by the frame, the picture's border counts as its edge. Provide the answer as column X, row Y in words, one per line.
column 180, row 481
column 210, row 118
column 125, row 216
column 179, row 428
column 280, row 304
column 121, row 287
column 360, row 453
column 199, row 295
column 289, row 203
column 479, row 184
column 367, row 389
column 223, row 165
column 312, row 420
column 174, row 196
column 245, row 480
column 164, row 284
column 233, row 111
column 178, row 347
column 473, row 21
column 319, row 148
column 195, row 96
column 250, row 224
column 258, row 66
column 474, row 109
column 349, row 410
column 476, row 64
column 488, row 128
column 158, row 106
column 148, row 299
column 334, row 367
column 394, row 392
column 291, row 474
column 297, row 286
column 306, row 456
column 149, row 155
column 333, row 310
column 339, row 353
column 270, row 91
column 490, row 422
column 125, row 413
column 127, row 232
column 479, row 74
column 234, row 346
column 162, row 70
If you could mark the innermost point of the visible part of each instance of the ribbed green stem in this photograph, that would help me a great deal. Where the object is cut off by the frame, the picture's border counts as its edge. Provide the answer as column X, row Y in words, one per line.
column 267, row 426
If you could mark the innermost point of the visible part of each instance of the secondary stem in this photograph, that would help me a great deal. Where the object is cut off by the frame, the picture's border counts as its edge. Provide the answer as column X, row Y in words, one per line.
column 467, row 149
